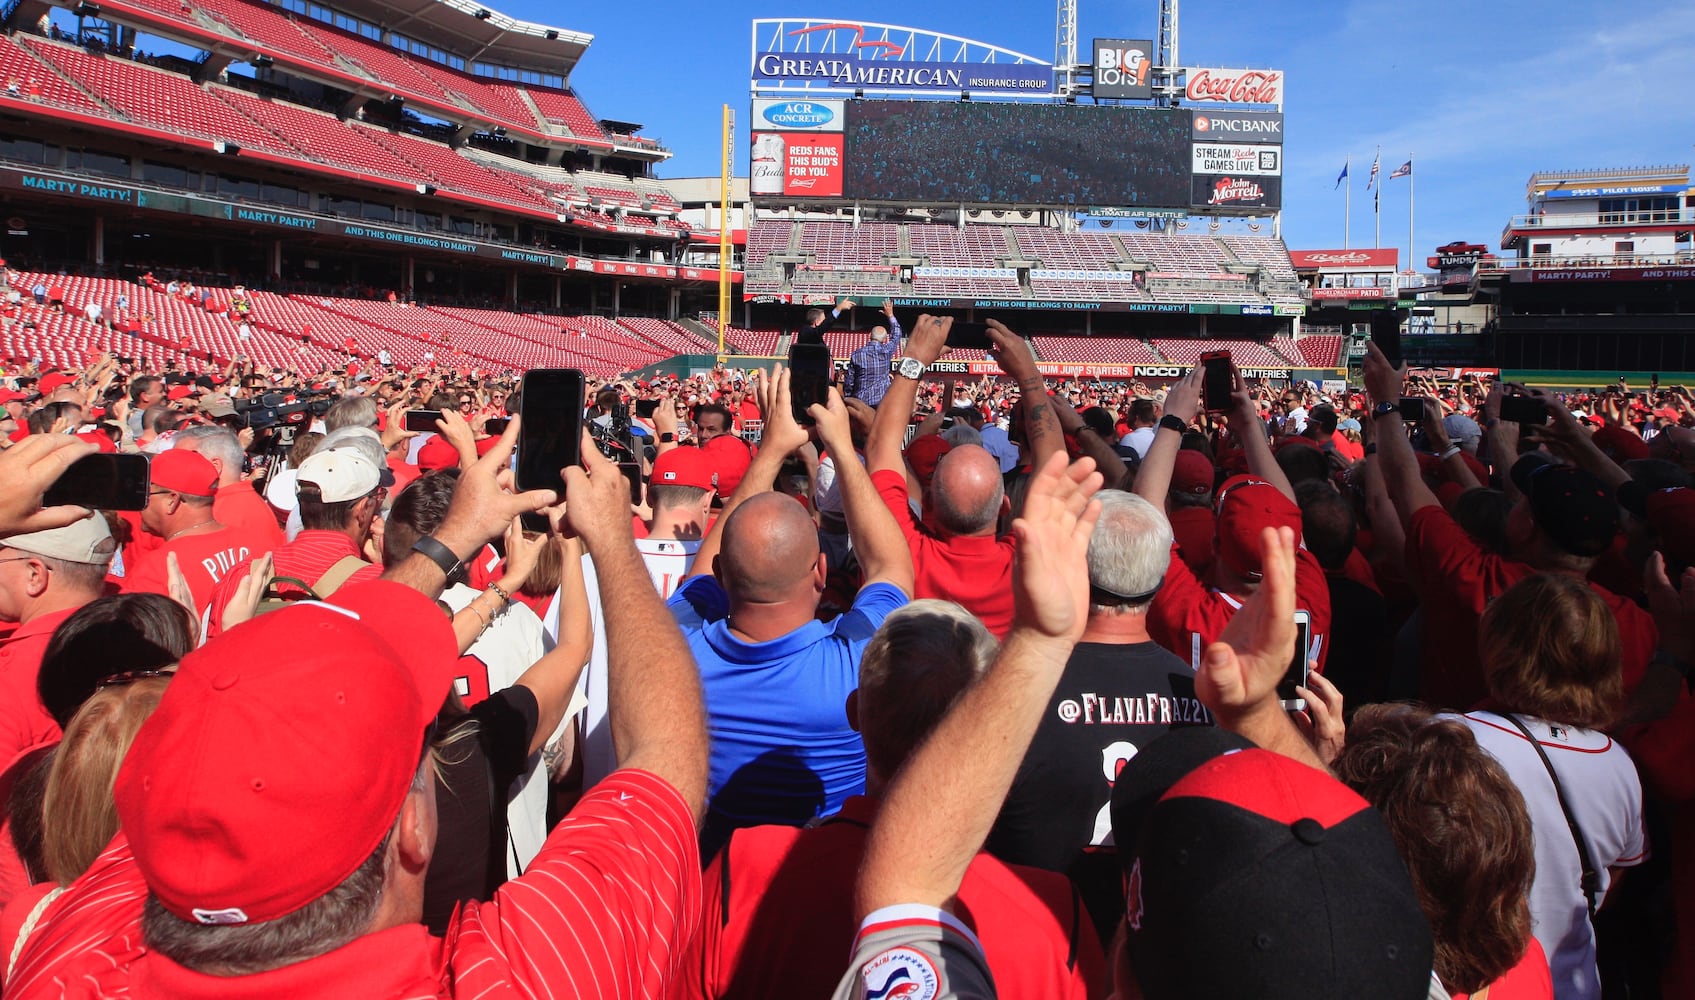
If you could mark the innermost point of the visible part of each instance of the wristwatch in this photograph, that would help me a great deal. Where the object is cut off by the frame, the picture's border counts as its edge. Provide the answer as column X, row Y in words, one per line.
column 911, row 368
column 437, row 553
column 1383, row 409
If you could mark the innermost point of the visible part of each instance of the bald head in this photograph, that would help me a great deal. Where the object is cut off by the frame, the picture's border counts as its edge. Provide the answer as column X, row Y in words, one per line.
column 879, row 334
column 770, row 551
column 967, row 492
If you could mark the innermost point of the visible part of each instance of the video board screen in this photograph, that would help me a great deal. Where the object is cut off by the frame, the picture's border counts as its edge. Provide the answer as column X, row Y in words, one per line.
column 1016, row 154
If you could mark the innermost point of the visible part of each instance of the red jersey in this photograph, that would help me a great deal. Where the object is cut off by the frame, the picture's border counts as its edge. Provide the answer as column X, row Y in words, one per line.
column 779, row 918
column 1187, row 616
column 973, row 571
column 1456, row 578
column 307, row 558
column 603, row 911
column 1528, row 980
column 1194, row 530
column 205, row 561
column 23, row 721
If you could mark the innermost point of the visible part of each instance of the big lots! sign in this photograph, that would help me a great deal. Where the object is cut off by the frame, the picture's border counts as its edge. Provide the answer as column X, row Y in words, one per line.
column 1235, row 86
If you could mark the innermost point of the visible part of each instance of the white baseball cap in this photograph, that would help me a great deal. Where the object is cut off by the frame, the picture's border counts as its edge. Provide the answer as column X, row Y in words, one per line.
column 85, row 541
column 339, row 475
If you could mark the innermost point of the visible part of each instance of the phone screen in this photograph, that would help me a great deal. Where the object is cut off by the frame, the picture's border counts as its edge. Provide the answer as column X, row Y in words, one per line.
column 810, row 373
column 1298, row 666
column 421, row 420
column 1524, row 410
column 645, row 408
column 969, row 336
column 1412, row 409
column 1386, row 334
column 551, row 435
column 103, row 482
column 496, row 425
column 1216, row 381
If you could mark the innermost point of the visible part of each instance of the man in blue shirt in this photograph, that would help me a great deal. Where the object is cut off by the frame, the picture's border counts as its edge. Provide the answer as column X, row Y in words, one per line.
column 868, row 368
column 776, row 679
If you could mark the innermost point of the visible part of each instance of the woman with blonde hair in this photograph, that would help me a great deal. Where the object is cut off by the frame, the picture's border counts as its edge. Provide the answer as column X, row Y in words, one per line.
column 1550, row 651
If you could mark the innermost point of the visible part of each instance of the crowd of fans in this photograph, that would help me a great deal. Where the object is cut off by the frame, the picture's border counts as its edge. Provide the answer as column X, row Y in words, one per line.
column 940, row 688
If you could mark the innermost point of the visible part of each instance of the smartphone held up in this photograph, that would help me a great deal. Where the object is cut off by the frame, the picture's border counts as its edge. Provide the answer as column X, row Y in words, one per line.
column 551, row 435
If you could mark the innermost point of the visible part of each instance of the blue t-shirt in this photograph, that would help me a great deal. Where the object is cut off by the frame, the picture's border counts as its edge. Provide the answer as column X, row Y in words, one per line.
column 782, row 748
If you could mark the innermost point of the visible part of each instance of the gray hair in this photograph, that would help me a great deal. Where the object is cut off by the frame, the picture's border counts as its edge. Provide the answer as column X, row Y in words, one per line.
column 912, row 671
column 1129, row 551
column 214, row 442
column 962, row 434
column 351, row 411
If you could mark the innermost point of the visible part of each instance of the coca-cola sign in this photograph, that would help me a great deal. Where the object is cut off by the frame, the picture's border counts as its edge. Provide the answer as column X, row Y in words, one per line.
column 1235, row 86
column 1328, row 260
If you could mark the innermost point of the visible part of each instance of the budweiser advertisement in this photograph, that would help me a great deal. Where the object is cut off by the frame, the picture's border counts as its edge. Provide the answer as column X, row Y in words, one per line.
column 1335, row 260
column 1235, row 86
column 1236, row 192
column 796, row 164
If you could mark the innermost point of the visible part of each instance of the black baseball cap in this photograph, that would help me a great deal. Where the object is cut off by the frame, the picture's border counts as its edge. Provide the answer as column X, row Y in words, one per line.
column 1571, row 506
column 1250, row 874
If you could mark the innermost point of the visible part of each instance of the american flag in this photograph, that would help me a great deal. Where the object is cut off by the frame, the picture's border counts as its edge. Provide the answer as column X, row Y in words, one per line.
column 1404, row 170
column 1369, row 181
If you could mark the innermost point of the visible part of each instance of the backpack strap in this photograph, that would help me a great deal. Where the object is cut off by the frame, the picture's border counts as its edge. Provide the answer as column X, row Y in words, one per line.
column 338, row 575
column 1591, row 879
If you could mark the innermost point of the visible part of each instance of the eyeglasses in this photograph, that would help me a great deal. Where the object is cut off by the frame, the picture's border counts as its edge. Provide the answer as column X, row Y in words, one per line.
column 131, row 676
column 19, row 559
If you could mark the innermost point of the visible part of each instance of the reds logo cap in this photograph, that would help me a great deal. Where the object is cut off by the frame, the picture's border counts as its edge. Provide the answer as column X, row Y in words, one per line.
column 685, row 466
column 1259, row 876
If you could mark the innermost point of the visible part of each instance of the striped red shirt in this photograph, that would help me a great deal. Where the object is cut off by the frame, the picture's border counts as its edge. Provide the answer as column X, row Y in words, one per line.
column 307, row 558
column 603, row 911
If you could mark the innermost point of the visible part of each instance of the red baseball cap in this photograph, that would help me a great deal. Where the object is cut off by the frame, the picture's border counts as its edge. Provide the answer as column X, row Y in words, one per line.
column 1619, row 444
column 17, row 396
column 51, row 381
column 731, row 460
column 1671, row 513
column 1246, row 507
column 1192, row 473
column 438, row 453
column 179, row 391
column 684, row 466
column 924, row 454
column 100, row 440
column 256, row 750
column 184, row 472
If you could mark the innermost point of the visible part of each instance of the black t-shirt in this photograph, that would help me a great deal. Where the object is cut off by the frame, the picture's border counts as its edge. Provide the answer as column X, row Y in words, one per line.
column 1359, row 657
column 1112, row 701
column 473, row 775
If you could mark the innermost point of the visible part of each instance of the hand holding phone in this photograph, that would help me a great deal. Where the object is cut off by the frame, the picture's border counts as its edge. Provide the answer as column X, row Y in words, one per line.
column 420, row 421
column 1299, row 665
column 1524, row 410
column 1218, row 381
column 103, row 482
column 551, row 436
column 811, row 371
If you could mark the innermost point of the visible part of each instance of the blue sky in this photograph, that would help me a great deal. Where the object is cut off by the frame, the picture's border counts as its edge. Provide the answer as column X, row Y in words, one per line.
column 1480, row 94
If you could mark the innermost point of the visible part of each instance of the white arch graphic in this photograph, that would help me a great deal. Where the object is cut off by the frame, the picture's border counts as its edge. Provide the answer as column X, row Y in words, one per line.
column 870, row 41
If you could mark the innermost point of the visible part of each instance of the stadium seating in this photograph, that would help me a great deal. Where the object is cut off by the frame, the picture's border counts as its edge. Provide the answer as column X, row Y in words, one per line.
column 1321, row 350
column 37, row 81
column 766, row 237
column 1246, row 353
column 669, row 337
column 1067, row 251
column 322, row 136
column 564, row 108
column 946, row 246
column 1112, row 350
column 834, row 243
column 454, row 172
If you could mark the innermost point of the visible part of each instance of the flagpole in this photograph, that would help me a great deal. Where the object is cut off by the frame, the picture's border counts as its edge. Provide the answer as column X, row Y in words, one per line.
column 1347, row 201
column 1412, row 177
column 1377, row 202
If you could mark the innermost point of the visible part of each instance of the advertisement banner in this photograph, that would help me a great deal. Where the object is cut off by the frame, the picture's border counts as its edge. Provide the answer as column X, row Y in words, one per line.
column 1253, row 161
column 1237, row 126
column 1121, row 68
column 1319, row 294
column 1235, row 86
column 848, row 73
column 1614, row 190
column 797, row 116
column 1331, row 260
column 1236, row 191
column 799, row 164
column 1571, row 275
column 1103, row 370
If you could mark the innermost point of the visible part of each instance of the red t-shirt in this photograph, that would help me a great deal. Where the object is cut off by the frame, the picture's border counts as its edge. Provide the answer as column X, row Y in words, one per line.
column 23, row 721
column 204, row 559
column 1186, row 615
column 1194, row 529
column 238, row 505
column 973, row 571
column 779, row 918
column 603, row 911
column 307, row 558
column 1528, row 980
column 1456, row 578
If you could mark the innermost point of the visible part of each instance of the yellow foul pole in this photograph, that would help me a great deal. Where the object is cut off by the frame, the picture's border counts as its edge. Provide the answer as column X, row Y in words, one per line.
column 724, row 230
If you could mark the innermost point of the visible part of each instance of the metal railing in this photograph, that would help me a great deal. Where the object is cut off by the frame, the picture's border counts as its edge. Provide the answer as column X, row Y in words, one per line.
column 1546, row 261
column 1590, row 220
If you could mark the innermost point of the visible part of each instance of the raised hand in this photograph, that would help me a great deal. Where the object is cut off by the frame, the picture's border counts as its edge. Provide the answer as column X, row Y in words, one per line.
column 1238, row 674
column 28, row 468
column 1050, row 580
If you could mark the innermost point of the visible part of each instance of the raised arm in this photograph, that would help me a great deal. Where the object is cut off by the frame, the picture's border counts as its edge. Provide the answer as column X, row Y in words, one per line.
column 1041, row 426
column 1563, row 432
column 1249, row 430
column 878, row 542
column 1182, row 401
column 653, row 686
column 779, row 440
column 1453, row 457
column 553, row 678
column 1394, row 452
column 1113, row 470
column 888, row 432
column 939, row 809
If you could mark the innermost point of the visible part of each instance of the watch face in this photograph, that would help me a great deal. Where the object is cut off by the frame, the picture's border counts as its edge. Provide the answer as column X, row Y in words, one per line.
column 911, row 367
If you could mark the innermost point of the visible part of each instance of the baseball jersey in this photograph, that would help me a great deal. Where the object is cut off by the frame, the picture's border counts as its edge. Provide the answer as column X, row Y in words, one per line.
column 205, row 560
column 1186, row 616
column 1605, row 795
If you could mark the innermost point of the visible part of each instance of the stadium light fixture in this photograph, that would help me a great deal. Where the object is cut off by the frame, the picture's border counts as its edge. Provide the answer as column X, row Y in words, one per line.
column 86, row 10
column 965, row 95
column 226, row 148
column 426, row 189
column 483, row 14
column 552, row 35
column 263, row 61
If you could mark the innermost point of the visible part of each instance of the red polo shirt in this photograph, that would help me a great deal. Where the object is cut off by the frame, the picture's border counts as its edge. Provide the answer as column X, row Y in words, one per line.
column 779, row 918
column 23, row 722
column 238, row 505
column 1456, row 578
column 973, row 571
column 603, row 911
column 307, row 558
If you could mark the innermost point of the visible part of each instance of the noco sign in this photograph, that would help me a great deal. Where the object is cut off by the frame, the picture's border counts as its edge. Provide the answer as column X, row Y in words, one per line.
column 821, row 56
